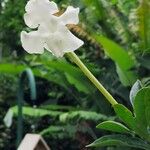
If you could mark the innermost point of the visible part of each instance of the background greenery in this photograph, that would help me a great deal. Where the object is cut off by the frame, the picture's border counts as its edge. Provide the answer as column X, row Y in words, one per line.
column 117, row 45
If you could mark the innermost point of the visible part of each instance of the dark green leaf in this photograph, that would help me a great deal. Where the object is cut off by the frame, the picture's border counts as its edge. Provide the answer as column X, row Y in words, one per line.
column 141, row 110
column 113, row 126
column 120, row 140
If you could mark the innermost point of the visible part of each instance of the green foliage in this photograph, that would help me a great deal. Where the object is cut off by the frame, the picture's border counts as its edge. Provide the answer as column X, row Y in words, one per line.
column 125, row 115
column 138, row 124
column 94, row 10
column 38, row 112
column 11, row 68
column 75, row 115
column 82, row 115
column 143, row 13
column 122, row 140
column 64, row 125
column 66, row 85
column 60, row 131
column 123, row 60
column 73, row 75
column 141, row 110
column 11, row 25
column 113, row 126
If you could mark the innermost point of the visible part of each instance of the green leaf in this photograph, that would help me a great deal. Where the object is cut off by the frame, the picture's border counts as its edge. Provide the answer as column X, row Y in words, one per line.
column 73, row 75
column 82, row 115
column 124, row 62
column 125, row 115
column 52, row 129
column 38, row 112
column 143, row 13
column 11, row 68
column 69, row 73
column 113, row 126
column 60, row 132
column 58, row 107
column 77, row 83
column 120, row 140
column 126, row 77
column 144, row 61
column 134, row 90
column 17, row 69
column 141, row 110
column 94, row 9
column 28, row 111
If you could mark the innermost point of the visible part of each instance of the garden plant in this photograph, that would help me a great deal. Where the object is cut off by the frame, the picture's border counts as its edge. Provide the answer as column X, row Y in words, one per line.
column 89, row 74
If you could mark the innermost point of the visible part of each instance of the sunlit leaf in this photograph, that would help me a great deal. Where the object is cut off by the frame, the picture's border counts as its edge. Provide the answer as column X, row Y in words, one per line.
column 125, row 115
column 113, row 126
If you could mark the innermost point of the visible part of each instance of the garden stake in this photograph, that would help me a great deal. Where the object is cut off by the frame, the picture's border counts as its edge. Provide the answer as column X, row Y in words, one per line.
column 31, row 82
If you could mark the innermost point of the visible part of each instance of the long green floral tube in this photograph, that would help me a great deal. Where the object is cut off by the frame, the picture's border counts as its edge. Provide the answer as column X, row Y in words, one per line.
column 91, row 77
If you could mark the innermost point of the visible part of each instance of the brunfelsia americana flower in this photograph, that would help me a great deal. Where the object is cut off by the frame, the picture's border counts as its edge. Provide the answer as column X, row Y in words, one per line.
column 50, row 31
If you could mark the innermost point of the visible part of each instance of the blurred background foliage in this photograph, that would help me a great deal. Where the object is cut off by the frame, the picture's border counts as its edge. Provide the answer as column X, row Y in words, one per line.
column 116, row 50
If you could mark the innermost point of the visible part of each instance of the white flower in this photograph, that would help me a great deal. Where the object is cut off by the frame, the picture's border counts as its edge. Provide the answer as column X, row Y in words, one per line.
column 52, row 33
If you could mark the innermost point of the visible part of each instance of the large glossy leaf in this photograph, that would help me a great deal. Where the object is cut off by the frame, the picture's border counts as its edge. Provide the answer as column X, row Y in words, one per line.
column 123, row 60
column 125, row 115
column 141, row 110
column 120, row 140
column 144, row 24
column 113, row 126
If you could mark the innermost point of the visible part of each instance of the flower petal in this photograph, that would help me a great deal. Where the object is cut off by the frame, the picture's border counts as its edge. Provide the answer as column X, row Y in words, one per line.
column 70, row 16
column 54, row 45
column 63, row 41
column 32, row 42
column 41, row 6
column 51, row 25
column 31, row 21
column 38, row 11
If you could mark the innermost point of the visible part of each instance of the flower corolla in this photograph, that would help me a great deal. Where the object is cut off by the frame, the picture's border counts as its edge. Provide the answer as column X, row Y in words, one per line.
column 50, row 31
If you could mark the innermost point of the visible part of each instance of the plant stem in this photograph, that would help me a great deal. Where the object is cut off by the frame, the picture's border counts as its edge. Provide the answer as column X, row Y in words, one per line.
column 91, row 77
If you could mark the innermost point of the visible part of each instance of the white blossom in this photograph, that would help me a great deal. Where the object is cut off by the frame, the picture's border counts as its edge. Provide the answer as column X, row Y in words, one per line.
column 50, row 31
